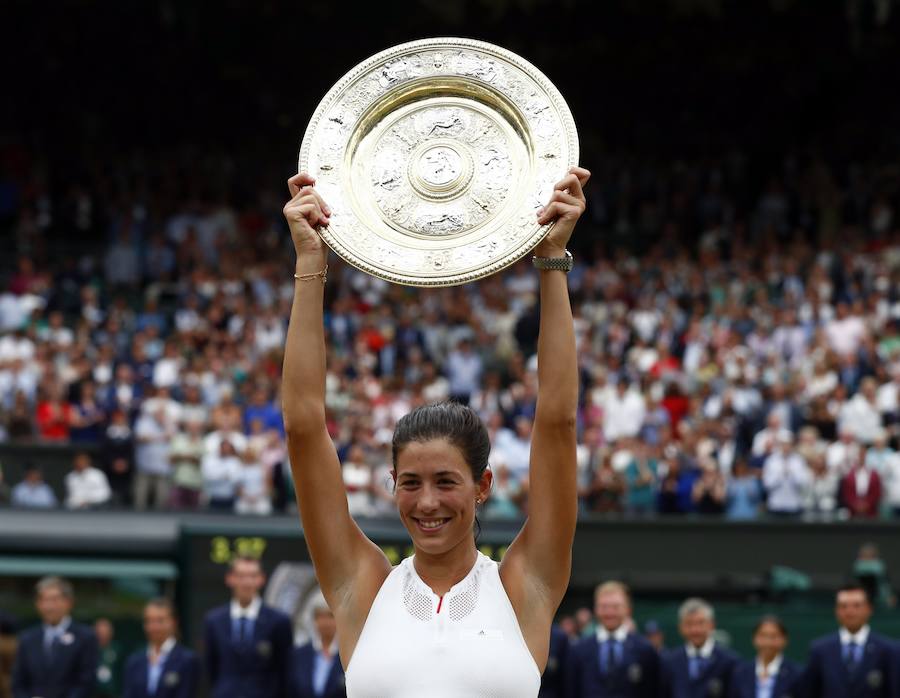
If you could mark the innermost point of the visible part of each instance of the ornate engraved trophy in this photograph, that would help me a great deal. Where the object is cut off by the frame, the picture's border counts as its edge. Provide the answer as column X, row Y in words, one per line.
column 435, row 156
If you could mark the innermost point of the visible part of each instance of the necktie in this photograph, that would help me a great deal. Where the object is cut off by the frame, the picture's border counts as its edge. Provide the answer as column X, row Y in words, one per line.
column 851, row 655
column 49, row 638
column 605, row 656
column 243, row 631
column 694, row 666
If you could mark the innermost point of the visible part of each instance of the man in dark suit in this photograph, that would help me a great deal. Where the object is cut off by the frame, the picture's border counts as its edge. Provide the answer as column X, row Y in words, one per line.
column 613, row 662
column 769, row 674
column 314, row 670
column 700, row 668
column 57, row 659
column 165, row 669
column 247, row 642
column 854, row 662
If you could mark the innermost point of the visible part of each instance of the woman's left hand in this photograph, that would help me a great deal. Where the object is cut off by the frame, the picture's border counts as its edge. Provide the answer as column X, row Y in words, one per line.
column 565, row 208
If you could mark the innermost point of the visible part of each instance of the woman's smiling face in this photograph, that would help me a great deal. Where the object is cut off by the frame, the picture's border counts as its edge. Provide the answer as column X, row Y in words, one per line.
column 435, row 494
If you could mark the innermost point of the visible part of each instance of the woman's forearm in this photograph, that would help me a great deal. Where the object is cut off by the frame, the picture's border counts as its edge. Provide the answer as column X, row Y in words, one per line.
column 557, row 364
column 303, row 379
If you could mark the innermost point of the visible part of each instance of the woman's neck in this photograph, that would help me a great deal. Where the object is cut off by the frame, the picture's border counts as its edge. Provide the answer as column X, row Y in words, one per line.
column 441, row 571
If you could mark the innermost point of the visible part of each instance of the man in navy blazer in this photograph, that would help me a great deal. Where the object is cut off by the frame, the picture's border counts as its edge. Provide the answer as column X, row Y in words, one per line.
column 700, row 668
column 247, row 642
column 165, row 669
column 57, row 659
column 770, row 673
column 314, row 670
column 854, row 662
column 614, row 662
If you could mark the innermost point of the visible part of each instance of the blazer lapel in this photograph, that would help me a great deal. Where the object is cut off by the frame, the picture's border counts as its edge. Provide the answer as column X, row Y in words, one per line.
column 143, row 674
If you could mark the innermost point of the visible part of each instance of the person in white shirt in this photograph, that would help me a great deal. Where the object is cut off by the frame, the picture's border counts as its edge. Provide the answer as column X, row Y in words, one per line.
column 786, row 478
column 86, row 486
column 254, row 486
column 840, row 455
column 154, row 432
column 860, row 414
column 766, row 439
column 221, row 472
column 623, row 413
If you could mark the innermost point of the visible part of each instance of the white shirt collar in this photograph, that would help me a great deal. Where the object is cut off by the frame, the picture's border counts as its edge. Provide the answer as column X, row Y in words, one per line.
column 619, row 634
column 769, row 670
column 164, row 649
column 60, row 627
column 705, row 651
column 859, row 638
column 250, row 613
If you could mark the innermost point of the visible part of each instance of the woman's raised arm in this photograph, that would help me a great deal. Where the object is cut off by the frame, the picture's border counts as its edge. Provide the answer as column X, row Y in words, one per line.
column 341, row 553
column 539, row 560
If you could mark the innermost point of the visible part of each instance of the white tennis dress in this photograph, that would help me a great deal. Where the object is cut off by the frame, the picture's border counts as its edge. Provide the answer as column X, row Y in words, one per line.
column 466, row 644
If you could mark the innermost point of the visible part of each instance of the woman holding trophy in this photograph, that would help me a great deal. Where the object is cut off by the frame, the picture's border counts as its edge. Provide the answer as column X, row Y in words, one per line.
column 448, row 621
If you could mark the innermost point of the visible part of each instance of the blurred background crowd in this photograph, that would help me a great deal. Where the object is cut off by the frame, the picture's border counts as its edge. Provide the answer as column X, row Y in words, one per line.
column 745, row 362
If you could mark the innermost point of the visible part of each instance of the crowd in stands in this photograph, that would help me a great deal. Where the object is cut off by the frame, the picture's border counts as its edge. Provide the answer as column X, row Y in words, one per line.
column 739, row 353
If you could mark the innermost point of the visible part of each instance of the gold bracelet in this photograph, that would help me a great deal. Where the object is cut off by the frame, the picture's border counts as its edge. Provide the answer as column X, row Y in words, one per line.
column 315, row 275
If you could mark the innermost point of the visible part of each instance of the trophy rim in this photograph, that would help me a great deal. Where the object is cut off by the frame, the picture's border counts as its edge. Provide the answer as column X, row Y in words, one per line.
column 528, row 243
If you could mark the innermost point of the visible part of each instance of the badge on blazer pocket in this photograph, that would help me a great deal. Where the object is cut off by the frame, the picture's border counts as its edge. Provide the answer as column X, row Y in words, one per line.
column 264, row 648
column 874, row 678
column 67, row 639
column 714, row 687
column 171, row 678
column 635, row 673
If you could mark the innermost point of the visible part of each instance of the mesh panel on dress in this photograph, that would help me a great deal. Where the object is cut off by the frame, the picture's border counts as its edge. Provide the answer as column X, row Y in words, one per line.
column 463, row 603
column 418, row 604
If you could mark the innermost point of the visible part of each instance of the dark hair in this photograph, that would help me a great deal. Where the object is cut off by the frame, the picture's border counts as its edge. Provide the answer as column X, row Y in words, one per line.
column 163, row 603
column 458, row 424
column 774, row 620
column 855, row 586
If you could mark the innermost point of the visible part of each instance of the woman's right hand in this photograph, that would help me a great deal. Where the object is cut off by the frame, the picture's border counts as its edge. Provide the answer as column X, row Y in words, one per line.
column 306, row 210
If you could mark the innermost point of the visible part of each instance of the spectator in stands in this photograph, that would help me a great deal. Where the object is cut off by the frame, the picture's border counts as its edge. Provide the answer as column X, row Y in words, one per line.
column 614, row 661
column 891, row 478
column 860, row 415
column 53, row 414
column 88, row 417
column 221, row 474
column 118, row 454
column 769, row 673
column 855, row 661
column 822, row 495
column 786, row 478
column 744, row 492
column 700, row 667
column 655, row 636
column 19, row 421
column 709, row 493
column 624, row 410
column 186, row 456
column 641, row 480
column 247, row 643
column 253, row 486
column 86, row 486
column 58, row 657
column 153, row 433
column 165, row 668
column 605, row 493
column 464, row 369
column 314, row 669
column 861, row 491
column 33, row 492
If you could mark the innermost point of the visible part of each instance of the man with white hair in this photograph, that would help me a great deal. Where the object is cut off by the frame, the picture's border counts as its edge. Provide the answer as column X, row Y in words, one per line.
column 700, row 668
column 860, row 414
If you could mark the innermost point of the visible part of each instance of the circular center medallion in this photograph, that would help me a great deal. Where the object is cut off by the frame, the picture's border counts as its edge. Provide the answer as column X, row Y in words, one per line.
column 440, row 169
column 440, row 166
